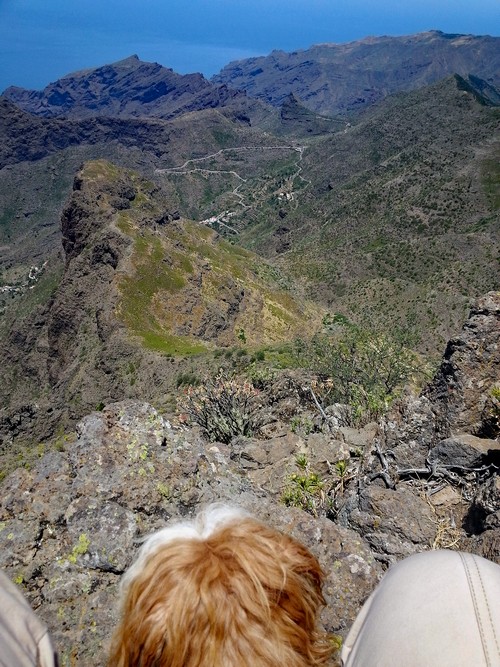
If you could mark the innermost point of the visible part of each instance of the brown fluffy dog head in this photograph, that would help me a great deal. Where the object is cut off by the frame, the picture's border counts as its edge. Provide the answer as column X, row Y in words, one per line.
column 221, row 591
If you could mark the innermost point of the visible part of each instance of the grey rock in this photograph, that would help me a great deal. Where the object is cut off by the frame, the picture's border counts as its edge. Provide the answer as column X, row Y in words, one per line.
column 396, row 523
column 339, row 414
column 463, row 450
column 359, row 438
column 258, row 453
column 469, row 371
column 323, row 451
column 19, row 540
column 108, row 531
column 487, row 503
column 409, row 431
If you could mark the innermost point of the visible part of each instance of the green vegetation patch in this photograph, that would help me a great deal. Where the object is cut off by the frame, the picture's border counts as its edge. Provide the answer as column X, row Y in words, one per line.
column 6, row 218
column 163, row 265
column 152, row 274
column 124, row 223
column 238, row 251
column 101, row 169
column 223, row 137
column 170, row 345
column 155, row 271
column 279, row 313
column 491, row 180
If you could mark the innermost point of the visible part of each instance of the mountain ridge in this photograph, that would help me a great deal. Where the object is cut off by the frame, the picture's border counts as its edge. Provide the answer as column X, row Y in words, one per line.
column 345, row 78
column 294, row 199
column 144, row 239
column 131, row 88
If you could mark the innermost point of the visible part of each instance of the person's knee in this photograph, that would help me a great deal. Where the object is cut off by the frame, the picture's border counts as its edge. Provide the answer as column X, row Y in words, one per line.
column 433, row 608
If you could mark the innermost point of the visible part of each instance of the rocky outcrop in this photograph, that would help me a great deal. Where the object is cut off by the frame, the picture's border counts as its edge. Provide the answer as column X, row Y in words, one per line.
column 140, row 287
column 299, row 121
column 431, row 472
column 461, row 392
column 70, row 525
column 26, row 137
column 74, row 353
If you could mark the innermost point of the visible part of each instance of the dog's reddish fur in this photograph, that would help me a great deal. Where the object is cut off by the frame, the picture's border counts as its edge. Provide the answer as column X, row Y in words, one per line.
column 245, row 595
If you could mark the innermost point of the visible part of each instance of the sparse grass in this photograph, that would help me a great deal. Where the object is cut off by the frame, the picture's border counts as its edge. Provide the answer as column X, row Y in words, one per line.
column 152, row 276
column 171, row 345
column 124, row 223
column 279, row 313
column 151, row 292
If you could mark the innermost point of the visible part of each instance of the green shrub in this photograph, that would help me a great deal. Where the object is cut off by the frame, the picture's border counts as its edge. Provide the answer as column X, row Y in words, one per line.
column 361, row 368
column 495, row 393
column 304, row 489
column 223, row 407
column 187, row 379
column 260, row 377
column 302, row 425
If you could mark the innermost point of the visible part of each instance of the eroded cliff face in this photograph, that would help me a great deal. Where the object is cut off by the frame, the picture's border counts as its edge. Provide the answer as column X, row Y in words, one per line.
column 72, row 353
column 339, row 78
column 131, row 88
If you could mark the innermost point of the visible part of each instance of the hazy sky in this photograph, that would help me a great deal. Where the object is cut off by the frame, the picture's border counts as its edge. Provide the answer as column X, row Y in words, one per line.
column 41, row 40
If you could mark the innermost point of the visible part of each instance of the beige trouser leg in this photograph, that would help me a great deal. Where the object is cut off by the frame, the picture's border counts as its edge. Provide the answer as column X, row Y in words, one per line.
column 438, row 608
column 24, row 638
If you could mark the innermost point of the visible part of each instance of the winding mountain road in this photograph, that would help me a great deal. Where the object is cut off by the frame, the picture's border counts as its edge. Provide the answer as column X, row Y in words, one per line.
column 222, row 218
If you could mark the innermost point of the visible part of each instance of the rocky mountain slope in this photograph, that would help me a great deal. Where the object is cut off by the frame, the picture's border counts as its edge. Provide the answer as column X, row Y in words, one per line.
column 397, row 213
column 30, row 138
column 39, row 157
column 393, row 217
column 345, row 78
column 132, row 88
column 424, row 477
column 138, row 280
column 147, row 280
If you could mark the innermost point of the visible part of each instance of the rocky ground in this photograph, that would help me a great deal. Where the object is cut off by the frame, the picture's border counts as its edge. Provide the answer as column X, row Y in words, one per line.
column 425, row 477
